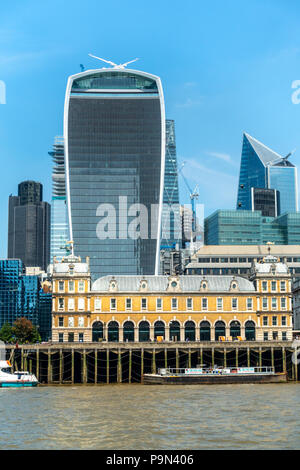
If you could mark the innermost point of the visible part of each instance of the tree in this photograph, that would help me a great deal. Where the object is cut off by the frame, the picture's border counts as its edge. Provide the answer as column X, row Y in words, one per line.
column 6, row 333
column 24, row 331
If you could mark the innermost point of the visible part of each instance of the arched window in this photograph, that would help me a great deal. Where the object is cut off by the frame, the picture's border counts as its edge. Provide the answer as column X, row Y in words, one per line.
column 159, row 329
column 235, row 329
column 189, row 331
column 174, row 331
column 219, row 330
column 113, row 331
column 204, row 331
column 128, row 331
column 144, row 331
column 97, row 331
column 250, row 330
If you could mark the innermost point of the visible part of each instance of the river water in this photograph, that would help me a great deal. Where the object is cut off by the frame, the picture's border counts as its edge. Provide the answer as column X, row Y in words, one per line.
column 137, row 416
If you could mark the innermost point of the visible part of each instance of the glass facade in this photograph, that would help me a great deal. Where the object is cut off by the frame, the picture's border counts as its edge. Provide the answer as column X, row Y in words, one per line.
column 263, row 168
column 21, row 296
column 284, row 179
column 251, row 228
column 59, row 219
column 114, row 150
column 171, row 221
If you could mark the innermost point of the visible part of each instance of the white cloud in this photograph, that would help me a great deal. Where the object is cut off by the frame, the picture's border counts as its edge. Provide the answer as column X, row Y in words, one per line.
column 222, row 156
column 190, row 103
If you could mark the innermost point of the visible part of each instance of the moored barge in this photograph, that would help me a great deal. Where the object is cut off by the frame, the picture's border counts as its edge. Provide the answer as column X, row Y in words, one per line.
column 216, row 375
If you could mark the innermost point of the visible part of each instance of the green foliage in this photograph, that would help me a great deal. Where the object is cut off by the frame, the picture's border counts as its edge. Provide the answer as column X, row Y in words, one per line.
column 6, row 334
column 24, row 332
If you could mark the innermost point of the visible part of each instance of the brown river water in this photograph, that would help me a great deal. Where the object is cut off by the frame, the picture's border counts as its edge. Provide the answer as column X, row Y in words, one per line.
column 125, row 417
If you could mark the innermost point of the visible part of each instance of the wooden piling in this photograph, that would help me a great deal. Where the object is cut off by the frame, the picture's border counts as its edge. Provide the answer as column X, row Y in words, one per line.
column 49, row 377
column 283, row 360
column 60, row 366
column 130, row 366
column 107, row 366
column 248, row 357
column 72, row 367
column 177, row 358
column 190, row 359
column 96, row 366
column 153, row 362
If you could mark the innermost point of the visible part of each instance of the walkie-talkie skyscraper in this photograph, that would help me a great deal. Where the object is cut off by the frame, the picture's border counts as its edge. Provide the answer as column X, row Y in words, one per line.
column 114, row 133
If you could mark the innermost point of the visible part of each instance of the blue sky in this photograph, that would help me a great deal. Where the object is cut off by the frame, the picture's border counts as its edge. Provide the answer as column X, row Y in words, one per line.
column 226, row 67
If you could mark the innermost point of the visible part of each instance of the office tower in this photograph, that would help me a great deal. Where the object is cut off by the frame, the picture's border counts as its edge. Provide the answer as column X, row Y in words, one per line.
column 171, row 222
column 21, row 296
column 59, row 219
column 29, row 226
column 231, row 227
column 261, row 167
column 265, row 200
column 114, row 133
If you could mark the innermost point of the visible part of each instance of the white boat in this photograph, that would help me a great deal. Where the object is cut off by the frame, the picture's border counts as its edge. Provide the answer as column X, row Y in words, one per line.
column 16, row 379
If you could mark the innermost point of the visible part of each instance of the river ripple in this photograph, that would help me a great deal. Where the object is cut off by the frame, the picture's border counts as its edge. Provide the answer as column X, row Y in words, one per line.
column 151, row 417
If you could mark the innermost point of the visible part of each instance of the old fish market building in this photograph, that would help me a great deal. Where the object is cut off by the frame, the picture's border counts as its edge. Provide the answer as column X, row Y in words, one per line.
column 174, row 308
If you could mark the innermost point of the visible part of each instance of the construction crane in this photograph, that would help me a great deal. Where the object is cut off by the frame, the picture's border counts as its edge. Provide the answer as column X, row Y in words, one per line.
column 193, row 196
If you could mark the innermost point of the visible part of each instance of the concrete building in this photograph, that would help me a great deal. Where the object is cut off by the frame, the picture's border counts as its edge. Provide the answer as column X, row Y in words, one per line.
column 238, row 259
column 148, row 308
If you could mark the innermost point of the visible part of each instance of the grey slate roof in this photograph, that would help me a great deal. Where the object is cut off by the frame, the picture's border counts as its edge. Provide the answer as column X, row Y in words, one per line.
column 160, row 283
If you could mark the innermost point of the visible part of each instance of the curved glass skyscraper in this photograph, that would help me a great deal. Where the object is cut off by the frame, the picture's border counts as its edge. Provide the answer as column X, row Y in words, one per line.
column 114, row 131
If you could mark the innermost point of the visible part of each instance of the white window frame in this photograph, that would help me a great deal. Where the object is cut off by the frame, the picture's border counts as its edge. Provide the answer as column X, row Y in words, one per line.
column 63, row 288
column 204, row 309
column 63, row 303
column 81, row 283
column 267, row 303
column 130, row 301
column 237, row 303
column 70, row 283
column 219, row 309
column 285, row 306
column 272, row 283
column 272, row 306
column 81, row 301
column 262, row 286
column 249, row 300
column 174, row 299
column 161, row 303
column 96, row 303
column 81, row 322
column 111, row 301
column 71, row 304
column 146, row 307
column 71, row 322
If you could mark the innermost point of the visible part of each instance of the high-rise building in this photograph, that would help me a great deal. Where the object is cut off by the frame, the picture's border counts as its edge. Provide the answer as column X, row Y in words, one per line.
column 231, row 227
column 59, row 219
column 29, row 226
column 265, row 200
column 171, row 221
column 21, row 296
column 114, row 134
column 261, row 167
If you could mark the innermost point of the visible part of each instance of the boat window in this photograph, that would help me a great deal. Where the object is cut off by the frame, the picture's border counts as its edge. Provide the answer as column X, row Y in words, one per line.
column 7, row 370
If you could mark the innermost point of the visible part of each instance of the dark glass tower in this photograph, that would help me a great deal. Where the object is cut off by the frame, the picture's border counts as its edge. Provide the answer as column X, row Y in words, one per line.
column 114, row 130
column 29, row 226
column 263, row 168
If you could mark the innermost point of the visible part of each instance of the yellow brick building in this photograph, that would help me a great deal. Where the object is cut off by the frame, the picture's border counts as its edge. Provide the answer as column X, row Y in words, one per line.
column 180, row 308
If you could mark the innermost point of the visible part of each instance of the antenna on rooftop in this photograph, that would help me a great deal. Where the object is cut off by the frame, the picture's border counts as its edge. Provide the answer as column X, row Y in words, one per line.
column 115, row 66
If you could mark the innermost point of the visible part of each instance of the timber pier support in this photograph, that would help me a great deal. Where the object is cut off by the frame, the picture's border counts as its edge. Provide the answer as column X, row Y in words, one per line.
column 105, row 363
